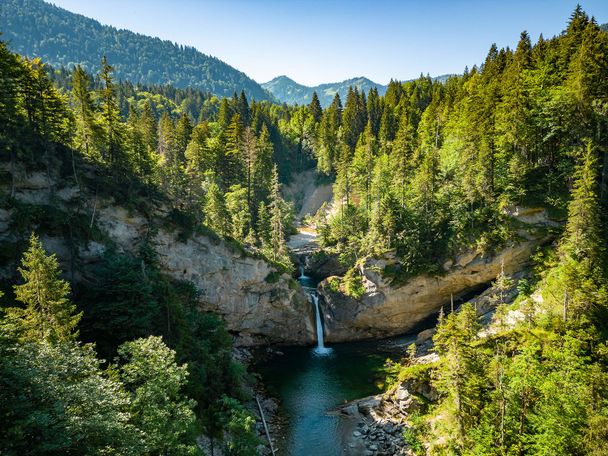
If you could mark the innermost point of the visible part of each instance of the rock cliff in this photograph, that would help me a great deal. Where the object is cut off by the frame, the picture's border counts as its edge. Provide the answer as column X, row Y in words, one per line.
column 259, row 304
column 385, row 310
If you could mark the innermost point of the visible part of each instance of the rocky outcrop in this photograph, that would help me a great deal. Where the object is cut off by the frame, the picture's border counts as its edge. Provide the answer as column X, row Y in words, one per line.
column 259, row 304
column 386, row 310
column 306, row 194
column 321, row 264
column 379, row 426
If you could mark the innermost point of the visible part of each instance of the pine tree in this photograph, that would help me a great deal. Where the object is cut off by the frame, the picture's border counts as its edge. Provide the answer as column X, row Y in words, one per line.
column 198, row 156
column 225, row 113
column 328, row 144
column 243, row 109
column 135, row 144
column 45, row 107
column 149, row 128
column 374, row 111
column 277, row 236
column 88, row 133
column 110, row 115
column 216, row 214
column 402, row 155
column 249, row 158
column 363, row 165
column 48, row 314
column 11, row 70
column 354, row 117
column 233, row 168
column 582, row 249
column 166, row 139
column 583, row 236
column 315, row 107
column 262, row 167
column 457, row 376
column 183, row 132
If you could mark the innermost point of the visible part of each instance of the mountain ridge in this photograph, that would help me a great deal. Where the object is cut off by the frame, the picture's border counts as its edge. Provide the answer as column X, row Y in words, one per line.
column 39, row 29
column 286, row 90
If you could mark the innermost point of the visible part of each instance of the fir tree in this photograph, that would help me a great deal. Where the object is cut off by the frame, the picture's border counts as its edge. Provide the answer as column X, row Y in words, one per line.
column 48, row 314
column 110, row 115
column 277, row 234
column 87, row 129
column 315, row 107
column 216, row 214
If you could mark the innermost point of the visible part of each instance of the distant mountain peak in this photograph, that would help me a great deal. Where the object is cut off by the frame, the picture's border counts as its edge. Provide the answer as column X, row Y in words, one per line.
column 289, row 91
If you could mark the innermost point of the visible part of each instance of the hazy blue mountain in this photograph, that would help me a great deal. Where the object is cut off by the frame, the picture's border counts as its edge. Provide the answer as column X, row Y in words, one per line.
column 38, row 29
column 288, row 91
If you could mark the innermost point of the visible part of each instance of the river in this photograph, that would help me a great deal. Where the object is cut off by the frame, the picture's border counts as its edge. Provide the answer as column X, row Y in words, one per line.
column 310, row 382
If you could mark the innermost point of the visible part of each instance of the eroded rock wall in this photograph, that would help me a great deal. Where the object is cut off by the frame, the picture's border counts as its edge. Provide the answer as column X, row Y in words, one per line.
column 386, row 310
column 258, row 304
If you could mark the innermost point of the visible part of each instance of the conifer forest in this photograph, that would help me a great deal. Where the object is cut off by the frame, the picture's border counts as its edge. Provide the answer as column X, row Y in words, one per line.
column 193, row 263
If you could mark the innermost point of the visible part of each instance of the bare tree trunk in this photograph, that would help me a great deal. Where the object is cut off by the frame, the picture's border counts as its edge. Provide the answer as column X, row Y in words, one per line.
column 13, row 171
column 94, row 208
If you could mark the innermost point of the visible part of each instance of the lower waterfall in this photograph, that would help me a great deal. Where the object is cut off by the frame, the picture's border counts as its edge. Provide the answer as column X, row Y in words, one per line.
column 321, row 348
column 309, row 286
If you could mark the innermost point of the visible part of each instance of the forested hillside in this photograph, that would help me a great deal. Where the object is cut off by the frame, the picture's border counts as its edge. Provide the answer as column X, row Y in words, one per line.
column 136, row 146
column 438, row 169
column 121, row 360
column 431, row 168
column 35, row 28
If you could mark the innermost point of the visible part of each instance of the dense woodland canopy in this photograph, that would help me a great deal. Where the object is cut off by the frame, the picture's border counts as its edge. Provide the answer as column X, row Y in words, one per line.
column 427, row 170
column 528, row 127
column 432, row 168
column 36, row 28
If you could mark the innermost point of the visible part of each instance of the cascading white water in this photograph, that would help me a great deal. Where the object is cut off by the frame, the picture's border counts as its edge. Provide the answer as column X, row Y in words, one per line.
column 321, row 348
column 310, row 289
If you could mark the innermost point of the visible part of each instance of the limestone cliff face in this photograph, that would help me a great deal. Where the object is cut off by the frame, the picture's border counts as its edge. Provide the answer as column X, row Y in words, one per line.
column 386, row 310
column 258, row 304
column 258, row 307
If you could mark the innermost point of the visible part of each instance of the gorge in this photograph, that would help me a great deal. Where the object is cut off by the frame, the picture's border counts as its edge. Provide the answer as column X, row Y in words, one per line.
column 189, row 266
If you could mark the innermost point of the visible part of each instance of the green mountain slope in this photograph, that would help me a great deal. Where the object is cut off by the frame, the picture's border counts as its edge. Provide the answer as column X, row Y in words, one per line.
column 38, row 29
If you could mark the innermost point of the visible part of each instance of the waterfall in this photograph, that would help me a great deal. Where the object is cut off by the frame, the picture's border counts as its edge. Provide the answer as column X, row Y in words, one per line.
column 321, row 349
column 310, row 288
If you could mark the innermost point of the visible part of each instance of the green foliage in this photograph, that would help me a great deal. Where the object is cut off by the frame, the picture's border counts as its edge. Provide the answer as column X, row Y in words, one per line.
column 241, row 426
column 353, row 283
column 159, row 408
column 273, row 277
column 130, row 298
column 55, row 399
column 120, row 304
column 48, row 315
column 538, row 387
column 434, row 169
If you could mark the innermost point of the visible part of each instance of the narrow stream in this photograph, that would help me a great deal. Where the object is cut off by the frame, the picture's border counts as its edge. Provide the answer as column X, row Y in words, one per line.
column 310, row 381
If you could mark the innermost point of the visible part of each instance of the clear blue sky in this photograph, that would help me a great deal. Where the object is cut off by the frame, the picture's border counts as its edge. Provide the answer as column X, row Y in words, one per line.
column 320, row 41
